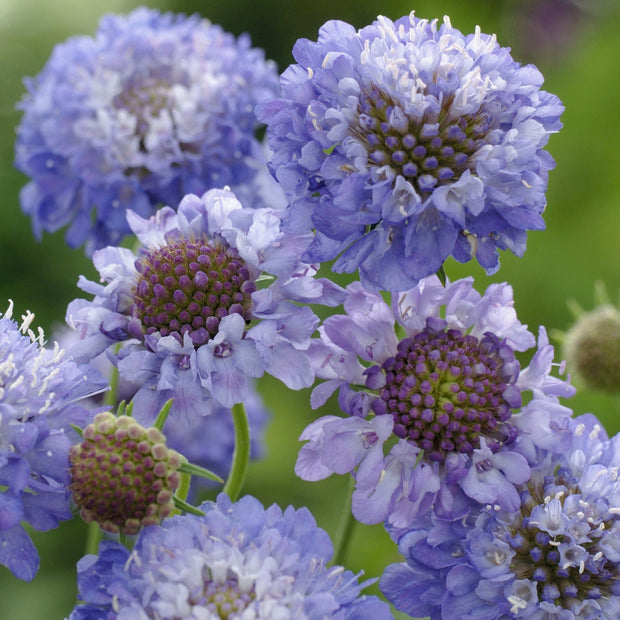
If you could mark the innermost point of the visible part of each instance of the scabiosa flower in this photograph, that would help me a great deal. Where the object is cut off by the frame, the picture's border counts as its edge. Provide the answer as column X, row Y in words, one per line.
column 187, row 312
column 434, row 382
column 237, row 561
column 404, row 143
column 39, row 392
column 154, row 107
column 555, row 556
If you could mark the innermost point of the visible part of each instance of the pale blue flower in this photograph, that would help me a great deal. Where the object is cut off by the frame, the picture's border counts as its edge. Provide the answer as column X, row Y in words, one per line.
column 153, row 107
column 237, row 561
column 215, row 297
column 554, row 556
column 404, row 143
column 40, row 390
column 442, row 415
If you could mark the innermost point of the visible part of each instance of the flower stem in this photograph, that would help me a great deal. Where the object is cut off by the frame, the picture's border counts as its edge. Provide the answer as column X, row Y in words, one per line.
column 345, row 529
column 111, row 395
column 441, row 274
column 241, row 455
column 93, row 538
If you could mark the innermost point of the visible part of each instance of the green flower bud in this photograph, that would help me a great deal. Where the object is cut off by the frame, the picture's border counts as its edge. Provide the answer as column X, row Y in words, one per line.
column 592, row 348
column 123, row 476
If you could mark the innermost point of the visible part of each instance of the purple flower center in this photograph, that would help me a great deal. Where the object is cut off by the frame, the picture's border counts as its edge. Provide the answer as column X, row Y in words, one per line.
column 429, row 151
column 223, row 599
column 556, row 537
column 122, row 475
column 188, row 286
column 445, row 390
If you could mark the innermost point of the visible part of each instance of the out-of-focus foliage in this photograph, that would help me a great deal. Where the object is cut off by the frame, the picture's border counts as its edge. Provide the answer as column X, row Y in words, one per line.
column 573, row 43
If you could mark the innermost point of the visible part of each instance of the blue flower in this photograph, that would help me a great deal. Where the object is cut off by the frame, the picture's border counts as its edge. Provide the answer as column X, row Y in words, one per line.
column 238, row 560
column 556, row 556
column 185, row 317
column 154, row 107
column 405, row 143
column 436, row 399
column 39, row 393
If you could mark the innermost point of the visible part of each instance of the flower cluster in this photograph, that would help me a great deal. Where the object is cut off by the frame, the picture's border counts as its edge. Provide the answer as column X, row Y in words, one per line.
column 154, row 107
column 391, row 149
column 405, row 143
column 237, row 561
column 40, row 390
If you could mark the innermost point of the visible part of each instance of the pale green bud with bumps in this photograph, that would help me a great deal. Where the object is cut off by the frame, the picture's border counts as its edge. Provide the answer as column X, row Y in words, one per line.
column 123, row 476
column 591, row 346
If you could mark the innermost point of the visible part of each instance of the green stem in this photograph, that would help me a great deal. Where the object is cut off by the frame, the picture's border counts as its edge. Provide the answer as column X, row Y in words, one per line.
column 93, row 538
column 241, row 455
column 345, row 529
column 111, row 395
column 441, row 274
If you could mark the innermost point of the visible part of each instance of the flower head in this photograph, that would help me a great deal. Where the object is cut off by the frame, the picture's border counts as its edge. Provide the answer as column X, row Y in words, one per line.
column 434, row 381
column 592, row 344
column 207, row 304
column 154, row 107
column 238, row 560
column 555, row 555
column 406, row 142
column 39, row 392
column 123, row 476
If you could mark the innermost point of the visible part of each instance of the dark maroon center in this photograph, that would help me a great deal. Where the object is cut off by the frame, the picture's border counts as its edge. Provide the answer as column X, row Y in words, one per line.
column 447, row 389
column 188, row 286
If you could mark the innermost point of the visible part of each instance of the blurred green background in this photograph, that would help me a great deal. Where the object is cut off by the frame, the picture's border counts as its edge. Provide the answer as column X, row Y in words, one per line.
column 577, row 48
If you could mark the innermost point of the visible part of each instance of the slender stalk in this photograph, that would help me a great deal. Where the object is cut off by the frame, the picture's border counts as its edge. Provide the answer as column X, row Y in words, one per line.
column 441, row 274
column 345, row 528
column 93, row 538
column 109, row 398
column 241, row 455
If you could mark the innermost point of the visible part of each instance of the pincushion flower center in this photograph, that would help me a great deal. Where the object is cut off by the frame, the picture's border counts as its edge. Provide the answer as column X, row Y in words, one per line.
column 558, row 547
column 188, row 286
column 145, row 99
column 224, row 599
column 428, row 151
column 445, row 390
